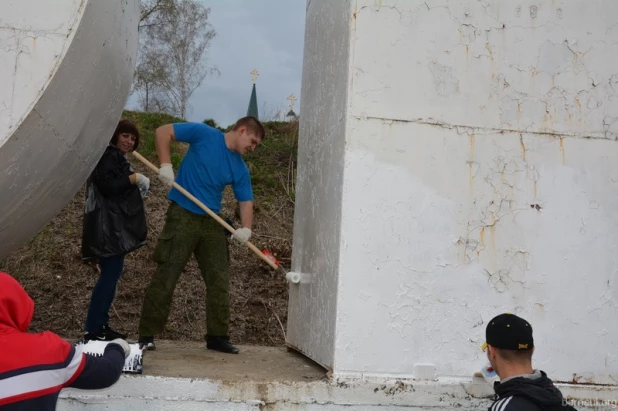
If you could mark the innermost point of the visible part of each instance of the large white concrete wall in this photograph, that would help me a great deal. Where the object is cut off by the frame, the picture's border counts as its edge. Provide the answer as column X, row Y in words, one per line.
column 67, row 67
column 320, row 179
column 480, row 176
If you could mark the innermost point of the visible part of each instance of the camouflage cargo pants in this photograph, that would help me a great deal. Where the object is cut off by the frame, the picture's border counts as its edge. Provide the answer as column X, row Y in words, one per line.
column 186, row 233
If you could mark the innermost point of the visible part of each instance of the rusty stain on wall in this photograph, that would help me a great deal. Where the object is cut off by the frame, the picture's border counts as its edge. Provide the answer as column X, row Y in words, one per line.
column 492, row 61
column 492, row 235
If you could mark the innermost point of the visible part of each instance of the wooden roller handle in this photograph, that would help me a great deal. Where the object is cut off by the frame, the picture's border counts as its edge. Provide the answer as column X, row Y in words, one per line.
column 207, row 210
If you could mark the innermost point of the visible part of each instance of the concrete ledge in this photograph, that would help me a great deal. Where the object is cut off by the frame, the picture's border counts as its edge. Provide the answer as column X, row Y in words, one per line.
column 154, row 393
column 189, row 377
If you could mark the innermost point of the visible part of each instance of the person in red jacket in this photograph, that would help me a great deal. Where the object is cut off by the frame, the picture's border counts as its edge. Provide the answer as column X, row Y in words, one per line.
column 34, row 368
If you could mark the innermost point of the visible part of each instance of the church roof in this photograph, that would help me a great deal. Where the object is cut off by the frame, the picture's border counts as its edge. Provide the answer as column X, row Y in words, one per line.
column 252, row 110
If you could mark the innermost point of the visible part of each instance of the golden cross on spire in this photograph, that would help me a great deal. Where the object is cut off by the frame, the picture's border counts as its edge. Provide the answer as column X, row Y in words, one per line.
column 292, row 99
column 255, row 75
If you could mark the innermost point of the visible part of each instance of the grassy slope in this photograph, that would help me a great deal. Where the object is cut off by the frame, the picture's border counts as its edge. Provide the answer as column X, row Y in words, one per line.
column 50, row 268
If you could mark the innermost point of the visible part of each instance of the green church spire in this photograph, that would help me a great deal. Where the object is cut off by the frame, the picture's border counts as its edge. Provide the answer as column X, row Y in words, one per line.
column 253, row 106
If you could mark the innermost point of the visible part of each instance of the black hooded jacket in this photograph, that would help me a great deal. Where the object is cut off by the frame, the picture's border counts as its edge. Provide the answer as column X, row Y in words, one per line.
column 528, row 394
column 114, row 217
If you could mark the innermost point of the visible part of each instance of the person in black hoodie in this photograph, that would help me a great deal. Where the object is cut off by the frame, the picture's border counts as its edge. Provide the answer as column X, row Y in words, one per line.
column 114, row 224
column 510, row 345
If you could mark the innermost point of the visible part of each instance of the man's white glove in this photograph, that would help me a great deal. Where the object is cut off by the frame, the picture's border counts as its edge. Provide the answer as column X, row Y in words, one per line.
column 142, row 182
column 242, row 235
column 166, row 174
column 125, row 346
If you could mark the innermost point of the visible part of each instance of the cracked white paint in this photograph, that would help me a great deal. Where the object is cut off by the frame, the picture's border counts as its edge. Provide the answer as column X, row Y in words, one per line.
column 475, row 173
column 66, row 77
column 31, row 47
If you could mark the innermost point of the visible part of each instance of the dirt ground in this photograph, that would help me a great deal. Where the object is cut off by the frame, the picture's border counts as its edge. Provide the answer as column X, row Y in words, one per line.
column 51, row 270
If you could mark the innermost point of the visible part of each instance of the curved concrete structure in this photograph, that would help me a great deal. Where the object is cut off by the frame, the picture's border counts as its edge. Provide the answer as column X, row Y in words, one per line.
column 69, row 65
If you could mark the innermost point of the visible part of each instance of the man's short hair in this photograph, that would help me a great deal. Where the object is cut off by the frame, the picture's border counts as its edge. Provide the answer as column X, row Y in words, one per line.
column 126, row 126
column 253, row 125
column 514, row 356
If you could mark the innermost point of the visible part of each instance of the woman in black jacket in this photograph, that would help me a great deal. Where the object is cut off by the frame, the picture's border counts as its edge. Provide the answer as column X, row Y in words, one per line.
column 114, row 224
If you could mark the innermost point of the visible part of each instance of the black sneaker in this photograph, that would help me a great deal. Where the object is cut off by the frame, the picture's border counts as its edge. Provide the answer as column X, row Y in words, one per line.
column 222, row 344
column 104, row 334
column 146, row 343
column 94, row 337
column 111, row 334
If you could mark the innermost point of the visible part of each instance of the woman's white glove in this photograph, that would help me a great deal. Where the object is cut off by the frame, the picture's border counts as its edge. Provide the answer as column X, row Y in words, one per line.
column 142, row 182
column 166, row 174
column 125, row 346
column 242, row 235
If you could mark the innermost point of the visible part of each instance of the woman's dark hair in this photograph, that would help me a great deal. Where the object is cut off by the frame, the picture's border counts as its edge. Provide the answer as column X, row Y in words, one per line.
column 126, row 126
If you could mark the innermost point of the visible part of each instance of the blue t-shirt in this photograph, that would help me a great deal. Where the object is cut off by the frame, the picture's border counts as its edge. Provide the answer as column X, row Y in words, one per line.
column 207, row 168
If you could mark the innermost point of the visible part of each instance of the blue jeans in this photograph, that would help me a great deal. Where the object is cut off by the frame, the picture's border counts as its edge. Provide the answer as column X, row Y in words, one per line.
column 103, row 293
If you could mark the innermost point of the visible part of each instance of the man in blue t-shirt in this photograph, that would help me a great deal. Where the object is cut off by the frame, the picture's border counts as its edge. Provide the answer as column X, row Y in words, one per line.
column 213, row 161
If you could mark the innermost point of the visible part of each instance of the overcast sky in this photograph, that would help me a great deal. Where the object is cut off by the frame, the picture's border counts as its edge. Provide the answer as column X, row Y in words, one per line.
column 266, row 35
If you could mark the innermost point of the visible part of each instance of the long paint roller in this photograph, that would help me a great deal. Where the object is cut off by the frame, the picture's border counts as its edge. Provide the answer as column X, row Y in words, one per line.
column 266, row 256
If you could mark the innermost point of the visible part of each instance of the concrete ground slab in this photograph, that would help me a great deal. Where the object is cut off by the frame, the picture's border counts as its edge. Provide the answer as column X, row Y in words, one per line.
column 257, row 364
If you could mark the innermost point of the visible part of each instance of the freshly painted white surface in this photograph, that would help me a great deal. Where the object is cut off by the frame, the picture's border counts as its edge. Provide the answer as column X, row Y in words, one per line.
column 68, row 70
column 480, row 176
column 159, row 393
column 317, row 222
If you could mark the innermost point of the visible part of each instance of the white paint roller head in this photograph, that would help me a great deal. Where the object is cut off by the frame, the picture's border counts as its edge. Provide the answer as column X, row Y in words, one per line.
column 293, row 277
